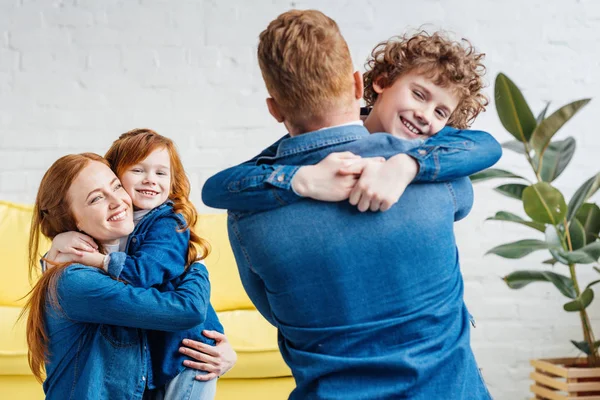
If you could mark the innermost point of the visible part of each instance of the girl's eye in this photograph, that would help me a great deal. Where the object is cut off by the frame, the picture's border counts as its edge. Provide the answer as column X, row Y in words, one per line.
column 161, row 173
column 418, row 94
column 136, row 170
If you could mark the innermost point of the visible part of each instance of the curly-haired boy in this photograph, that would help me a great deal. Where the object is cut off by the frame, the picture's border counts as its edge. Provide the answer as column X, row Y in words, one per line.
column 418, row 84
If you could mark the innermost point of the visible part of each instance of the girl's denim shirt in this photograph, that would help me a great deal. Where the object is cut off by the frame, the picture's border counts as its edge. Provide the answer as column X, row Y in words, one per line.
column 155, row 257
column 97, row 336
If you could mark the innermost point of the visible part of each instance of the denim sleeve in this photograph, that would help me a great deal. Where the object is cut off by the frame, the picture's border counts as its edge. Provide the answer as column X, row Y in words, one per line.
column 160, row 258
column 88, row 295
column 455, row 153
column 461, row 191
column 248, row 186
column 252, row 282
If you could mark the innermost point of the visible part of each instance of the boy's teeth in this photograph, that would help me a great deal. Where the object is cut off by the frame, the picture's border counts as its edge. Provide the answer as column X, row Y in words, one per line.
column 411, row 127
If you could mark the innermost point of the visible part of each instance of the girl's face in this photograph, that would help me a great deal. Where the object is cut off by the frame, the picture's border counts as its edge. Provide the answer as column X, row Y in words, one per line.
column 149, row 181
column 102, row 209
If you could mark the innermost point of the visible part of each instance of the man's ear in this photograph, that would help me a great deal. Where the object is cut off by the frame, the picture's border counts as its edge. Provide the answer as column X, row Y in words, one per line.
column 358, row 85
column 274, row 109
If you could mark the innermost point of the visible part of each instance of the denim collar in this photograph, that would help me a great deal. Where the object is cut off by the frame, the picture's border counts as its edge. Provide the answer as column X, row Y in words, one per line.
column 321, row 138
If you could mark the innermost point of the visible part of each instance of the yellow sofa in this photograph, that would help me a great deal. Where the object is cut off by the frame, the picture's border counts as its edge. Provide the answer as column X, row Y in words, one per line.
column 260, row 372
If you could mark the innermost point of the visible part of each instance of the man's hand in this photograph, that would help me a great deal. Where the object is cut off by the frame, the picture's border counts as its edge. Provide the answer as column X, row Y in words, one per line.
column 323, row 181
column 381, row 184
column 216, row 360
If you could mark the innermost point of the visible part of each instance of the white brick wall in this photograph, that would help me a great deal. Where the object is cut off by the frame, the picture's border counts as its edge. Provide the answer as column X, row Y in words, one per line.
column 76, row 73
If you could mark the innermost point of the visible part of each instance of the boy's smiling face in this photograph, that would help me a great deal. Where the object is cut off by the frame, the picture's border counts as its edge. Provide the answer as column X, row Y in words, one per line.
column 413, row 107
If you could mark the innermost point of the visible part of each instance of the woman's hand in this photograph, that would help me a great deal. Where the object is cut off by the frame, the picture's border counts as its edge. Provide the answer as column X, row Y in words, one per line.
column 216, row 360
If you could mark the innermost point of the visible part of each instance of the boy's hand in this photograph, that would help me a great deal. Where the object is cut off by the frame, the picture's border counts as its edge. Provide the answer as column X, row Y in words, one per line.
column 323, row 181
column 381, row 184
column 71, row 243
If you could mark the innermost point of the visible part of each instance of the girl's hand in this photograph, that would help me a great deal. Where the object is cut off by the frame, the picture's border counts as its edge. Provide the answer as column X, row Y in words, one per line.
column 95, row 259
column 75, row 243
column 381, row 184
column 216, row 360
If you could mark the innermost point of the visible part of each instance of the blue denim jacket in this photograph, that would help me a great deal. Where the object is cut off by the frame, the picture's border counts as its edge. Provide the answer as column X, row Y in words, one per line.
column 156, row 256
column 96, row 350
column 367, row 305
column 263, row 183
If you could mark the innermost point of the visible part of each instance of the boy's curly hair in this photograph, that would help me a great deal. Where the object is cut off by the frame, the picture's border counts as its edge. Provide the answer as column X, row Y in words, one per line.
column 446, row 62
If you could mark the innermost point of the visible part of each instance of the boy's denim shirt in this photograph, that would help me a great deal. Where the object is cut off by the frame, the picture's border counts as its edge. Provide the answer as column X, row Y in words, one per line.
column 156, row 256
column 367, row 305
column 263, row 183
column 97, row 339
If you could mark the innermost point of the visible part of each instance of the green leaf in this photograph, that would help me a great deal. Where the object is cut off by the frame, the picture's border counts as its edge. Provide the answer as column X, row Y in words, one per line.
column 584, row 346
column 556, row 158
column 542, row 114
column 588, row 254
column 506, row 216
column 513, row 190
column 551, row 261
column 592, row 283
column 515, row 145
column 581, row 302
column 584, row 192
column 577, row 234
column 492, row 173
column 514, row 113
column 589, row 216
column 543, row 133
column 555, row 244
column 544, row 204
column 518, row 249
column 519, row 279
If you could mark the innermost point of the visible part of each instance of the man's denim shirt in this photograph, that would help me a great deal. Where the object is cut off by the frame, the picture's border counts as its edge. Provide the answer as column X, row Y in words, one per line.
column 156, row 256
column 367, row 305
column 96, row 340
column 263, row 183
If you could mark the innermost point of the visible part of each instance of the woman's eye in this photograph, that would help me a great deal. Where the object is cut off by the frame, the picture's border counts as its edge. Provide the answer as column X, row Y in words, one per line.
column 95, row 199
column 118, row 186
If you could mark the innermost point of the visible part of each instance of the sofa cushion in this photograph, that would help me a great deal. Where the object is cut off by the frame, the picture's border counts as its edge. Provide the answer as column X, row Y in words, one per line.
column 255, row 341
column 227, row 292
column 252, row 337
column 15, row 221
column 13, row 345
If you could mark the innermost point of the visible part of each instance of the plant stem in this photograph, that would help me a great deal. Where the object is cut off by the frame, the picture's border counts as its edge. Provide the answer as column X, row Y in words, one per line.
column 588, row 333
column 533, row 167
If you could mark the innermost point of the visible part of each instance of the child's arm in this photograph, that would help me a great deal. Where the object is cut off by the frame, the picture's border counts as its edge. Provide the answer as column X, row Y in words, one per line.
column 449, row 155
column 88, row 295
column 161, row 257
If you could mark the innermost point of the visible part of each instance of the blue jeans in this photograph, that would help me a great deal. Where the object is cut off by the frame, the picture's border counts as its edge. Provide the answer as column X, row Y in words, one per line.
column 185, row 387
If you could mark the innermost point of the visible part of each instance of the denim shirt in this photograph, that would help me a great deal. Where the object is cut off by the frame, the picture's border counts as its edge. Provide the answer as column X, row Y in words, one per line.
column 96, row 340
column 367, row 305
column 263, row 183
column 156, row 256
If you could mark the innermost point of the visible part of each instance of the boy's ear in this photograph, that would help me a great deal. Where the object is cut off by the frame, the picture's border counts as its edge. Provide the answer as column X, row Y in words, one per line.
column 358, row 85
column 274, row 109
column 379, row 84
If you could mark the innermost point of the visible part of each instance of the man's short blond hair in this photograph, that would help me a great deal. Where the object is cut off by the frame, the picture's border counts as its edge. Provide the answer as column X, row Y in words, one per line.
column 306, row 65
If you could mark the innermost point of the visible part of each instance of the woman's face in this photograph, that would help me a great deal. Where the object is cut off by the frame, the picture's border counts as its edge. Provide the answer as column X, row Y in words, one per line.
column 100, row 205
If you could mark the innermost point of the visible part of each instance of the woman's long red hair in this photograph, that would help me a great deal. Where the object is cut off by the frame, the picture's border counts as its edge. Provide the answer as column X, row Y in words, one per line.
column 51, row 216
column 133, row 147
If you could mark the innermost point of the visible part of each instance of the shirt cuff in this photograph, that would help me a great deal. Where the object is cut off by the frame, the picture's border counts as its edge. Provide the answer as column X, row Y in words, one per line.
column 114, row 262
column 429, row 166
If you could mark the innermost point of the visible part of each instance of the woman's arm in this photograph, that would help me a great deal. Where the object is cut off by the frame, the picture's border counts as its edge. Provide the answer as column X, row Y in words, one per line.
column 86, row 294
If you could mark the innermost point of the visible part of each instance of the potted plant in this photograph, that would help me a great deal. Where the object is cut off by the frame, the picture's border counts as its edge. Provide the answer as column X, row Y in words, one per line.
column 569, row 232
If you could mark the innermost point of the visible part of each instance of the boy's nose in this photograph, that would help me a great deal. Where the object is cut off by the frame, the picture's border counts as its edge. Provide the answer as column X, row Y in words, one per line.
column 421, row 117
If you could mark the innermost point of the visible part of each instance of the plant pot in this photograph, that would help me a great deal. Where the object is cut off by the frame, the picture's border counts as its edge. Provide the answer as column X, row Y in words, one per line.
column 565, row 379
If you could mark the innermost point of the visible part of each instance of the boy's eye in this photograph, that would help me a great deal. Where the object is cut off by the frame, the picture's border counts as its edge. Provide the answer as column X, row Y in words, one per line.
column 418, row 94
column 441, row 113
